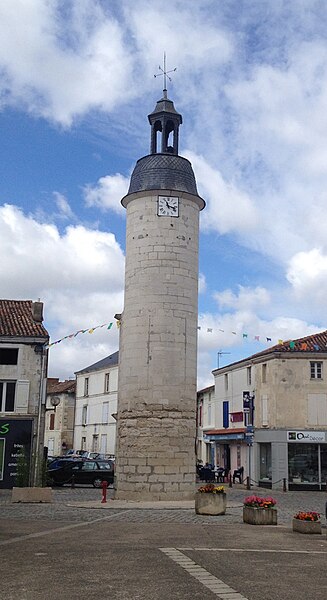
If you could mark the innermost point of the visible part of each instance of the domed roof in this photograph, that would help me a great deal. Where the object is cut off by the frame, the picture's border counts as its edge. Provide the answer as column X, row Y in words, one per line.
column 163, row 172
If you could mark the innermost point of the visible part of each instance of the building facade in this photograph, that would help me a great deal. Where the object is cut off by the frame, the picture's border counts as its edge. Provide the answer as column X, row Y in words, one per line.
column 96, row 406
column 23, row 372
column 270, row 415
column 60, row 416
column 155, row 455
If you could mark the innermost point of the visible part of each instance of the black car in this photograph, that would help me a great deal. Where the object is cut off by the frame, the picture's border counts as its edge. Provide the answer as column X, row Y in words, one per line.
column 66, row 470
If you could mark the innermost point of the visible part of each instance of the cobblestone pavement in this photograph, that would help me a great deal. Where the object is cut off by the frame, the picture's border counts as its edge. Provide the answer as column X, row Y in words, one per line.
column 288, row 504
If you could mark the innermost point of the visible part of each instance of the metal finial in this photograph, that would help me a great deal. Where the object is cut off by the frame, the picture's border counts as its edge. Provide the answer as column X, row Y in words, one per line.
column 164, row 72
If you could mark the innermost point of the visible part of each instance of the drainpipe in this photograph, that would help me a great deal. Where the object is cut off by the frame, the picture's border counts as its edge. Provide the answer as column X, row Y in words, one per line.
column 37, row 475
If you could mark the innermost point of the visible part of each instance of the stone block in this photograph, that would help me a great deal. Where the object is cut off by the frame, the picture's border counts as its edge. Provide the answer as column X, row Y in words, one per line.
column 259, row 516
column 31, row 494
column 306, row 526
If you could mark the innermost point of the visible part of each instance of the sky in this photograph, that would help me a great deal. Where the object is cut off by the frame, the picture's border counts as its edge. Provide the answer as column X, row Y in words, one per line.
column 76, row 85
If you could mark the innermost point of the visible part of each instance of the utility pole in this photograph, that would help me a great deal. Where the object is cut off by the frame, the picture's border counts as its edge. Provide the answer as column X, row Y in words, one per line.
column 219, row 354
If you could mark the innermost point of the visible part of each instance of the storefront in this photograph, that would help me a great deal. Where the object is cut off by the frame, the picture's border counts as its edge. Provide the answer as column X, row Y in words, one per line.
column 228, row 448
column 297, row 458
column 15, row 441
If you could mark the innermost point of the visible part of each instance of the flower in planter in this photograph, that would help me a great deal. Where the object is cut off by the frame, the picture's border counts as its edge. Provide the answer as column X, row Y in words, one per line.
column 307, row 516
column 211, row 488
column 258, row 502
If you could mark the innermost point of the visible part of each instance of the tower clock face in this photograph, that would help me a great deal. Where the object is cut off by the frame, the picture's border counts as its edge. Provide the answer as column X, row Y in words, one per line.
column 168, row 206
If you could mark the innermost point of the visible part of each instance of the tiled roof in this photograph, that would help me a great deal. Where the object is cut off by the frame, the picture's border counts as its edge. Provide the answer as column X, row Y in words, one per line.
column 108, row 361
column 54, row 386
column 311, row 343
column 16, row 320
column 210, row 388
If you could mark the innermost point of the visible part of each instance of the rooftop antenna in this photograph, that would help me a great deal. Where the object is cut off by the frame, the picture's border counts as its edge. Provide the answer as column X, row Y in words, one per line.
column 164, row 72
column 219, row 354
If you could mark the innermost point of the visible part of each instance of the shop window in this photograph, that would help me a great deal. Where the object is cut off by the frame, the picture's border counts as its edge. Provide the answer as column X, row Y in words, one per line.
column 265, row 462
column 8, row 356
column 303, row 463
column 226, row 414
column 316, row 370
column 7, row 396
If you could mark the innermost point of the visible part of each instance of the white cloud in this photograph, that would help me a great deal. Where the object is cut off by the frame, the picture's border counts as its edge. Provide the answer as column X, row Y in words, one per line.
column 63, row 206
column 247, row 298
column 62, row 65
column 228, row 208
column 202, row 284
column 107, row 193
column 79, row 276
column 307, row 273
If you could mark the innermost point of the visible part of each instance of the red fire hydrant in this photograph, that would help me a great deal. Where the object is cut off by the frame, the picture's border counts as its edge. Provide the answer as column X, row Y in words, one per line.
column 104, row 492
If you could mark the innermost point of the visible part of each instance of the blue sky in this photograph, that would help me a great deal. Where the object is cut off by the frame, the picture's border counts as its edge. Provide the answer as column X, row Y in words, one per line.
column 76, row 86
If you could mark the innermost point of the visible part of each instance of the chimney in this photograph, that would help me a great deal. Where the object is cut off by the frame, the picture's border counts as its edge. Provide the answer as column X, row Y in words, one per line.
column 37, row 311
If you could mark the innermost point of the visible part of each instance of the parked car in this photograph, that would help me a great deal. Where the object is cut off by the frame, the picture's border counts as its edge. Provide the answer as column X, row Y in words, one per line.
column 87, row 471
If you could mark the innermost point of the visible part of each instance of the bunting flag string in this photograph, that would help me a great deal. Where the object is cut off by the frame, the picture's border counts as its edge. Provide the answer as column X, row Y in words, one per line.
column 264, row 339
column 74, row 335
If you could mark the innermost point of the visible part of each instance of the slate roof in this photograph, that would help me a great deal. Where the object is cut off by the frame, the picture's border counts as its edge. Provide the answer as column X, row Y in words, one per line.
column 311, row 343
column 163, row 172
column 108, row 361
column 16, row 320
column 54, row 386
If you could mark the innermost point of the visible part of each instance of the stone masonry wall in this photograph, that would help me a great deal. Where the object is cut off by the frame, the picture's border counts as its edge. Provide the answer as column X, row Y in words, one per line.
column 155, row 456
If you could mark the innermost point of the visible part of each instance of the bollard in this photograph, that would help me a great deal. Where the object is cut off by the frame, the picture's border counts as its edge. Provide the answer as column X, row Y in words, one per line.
column 248, row 484
column 284, row 485
column 104, row 492
column 73, row 481
column 230, row 480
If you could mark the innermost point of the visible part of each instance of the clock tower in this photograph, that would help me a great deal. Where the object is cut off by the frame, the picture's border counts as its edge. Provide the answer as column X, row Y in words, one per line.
column 156, row 422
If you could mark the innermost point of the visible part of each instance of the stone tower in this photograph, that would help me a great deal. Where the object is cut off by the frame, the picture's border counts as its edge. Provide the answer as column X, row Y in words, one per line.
column 155, row 454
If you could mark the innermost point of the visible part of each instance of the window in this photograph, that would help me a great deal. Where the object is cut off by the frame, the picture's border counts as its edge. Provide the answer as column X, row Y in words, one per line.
column 95, row 443
column 7, row 396
column 84, row 414
column 248, row 375
column 226, row 414
column 86, row 386
column 89, row 466
column 209, row 414
column 316, row 370
column 226, row 382
column 105, row 412
column 52, row 421
column 106, row 382
column 103, row 443
column 264, row 373
column 83, row 443
column 8, row 356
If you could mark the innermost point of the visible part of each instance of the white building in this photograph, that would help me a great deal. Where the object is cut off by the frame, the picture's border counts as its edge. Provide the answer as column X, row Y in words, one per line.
column 268, row 414
column 96, row 403
column 60, row 414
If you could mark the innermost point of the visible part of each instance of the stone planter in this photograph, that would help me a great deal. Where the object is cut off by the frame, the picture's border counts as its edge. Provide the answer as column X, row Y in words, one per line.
column 259, row 516
column 306, row 526
column 210, row 504
column 31, row 494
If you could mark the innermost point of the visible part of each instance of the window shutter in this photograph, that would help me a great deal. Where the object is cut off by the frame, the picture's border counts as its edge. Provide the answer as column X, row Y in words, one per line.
column 264, row 409
column 226, row 414
column 22, row 394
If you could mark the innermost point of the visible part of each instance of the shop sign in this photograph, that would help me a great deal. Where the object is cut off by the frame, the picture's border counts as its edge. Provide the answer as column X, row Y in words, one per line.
column 15, row 438
column 306, row 436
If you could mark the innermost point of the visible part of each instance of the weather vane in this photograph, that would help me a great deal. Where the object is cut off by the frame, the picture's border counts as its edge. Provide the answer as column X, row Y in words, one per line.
column 164, row 72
